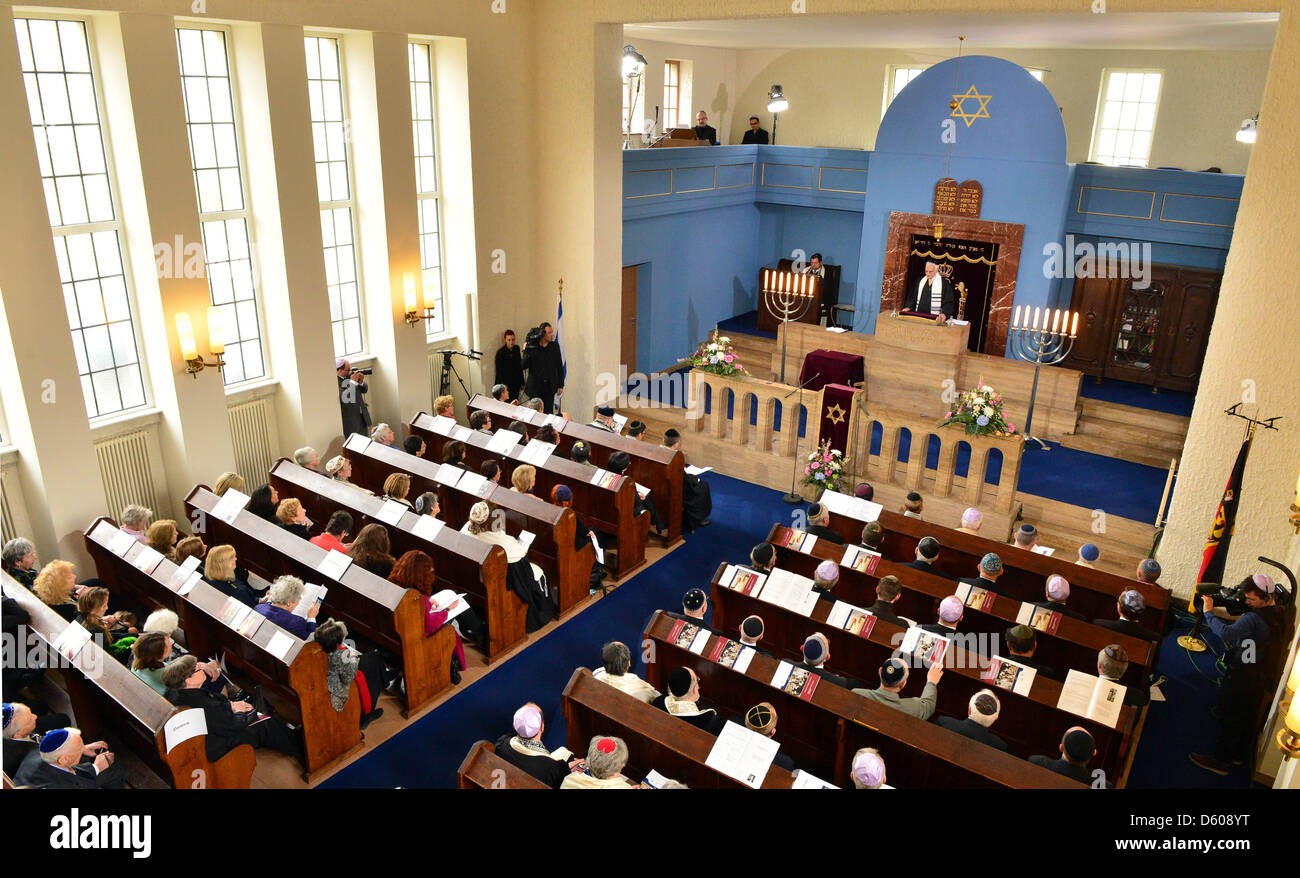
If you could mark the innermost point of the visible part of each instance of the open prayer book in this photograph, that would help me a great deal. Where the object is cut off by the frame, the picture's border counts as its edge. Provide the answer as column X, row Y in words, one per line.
column 743, row 580
column 973, row 596
column 790, row 590
column 742, row 754
column 445, row 598
column 860, row 559
column 312, row 595
column 1092, row 697
column 926, row 646
column 854, row 620
column 1007, row 674
column 851, row 507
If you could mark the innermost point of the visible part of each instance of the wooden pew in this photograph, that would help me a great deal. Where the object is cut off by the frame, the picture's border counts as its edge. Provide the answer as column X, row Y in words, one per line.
column 824, row 733
column 655, row 739
column 659, row 469
column 1074, row 645
column 553, row 526
column 296, row 684
column 606, row 509
column 483, row 769
column 1093, row 593
column 391, row 616
column 1030, row 724
column 112, row 704
column 462, row 562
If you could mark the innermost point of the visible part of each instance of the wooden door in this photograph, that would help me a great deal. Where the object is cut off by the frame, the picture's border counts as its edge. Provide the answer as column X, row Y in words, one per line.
column 1094, row 299
column 1187, row 329
column 627, row 337
column 1137, row 337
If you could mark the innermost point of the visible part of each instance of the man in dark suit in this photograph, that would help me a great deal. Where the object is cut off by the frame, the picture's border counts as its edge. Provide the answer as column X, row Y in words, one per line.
column 703, row 130
column 1077, row 749
column 23, row 728
column 873, row 538
column 990, row 569
column 825, row 578
column 525, row 751
column 544, row 362
column 819, row 520
column 933, row 294
column 982, row 713
column 695, row 606
column 510, row 368
column 1058, row 591
column 761, row 718
column 816, row 651
column 887, row 591
column 1112, row 664
column 683, row 701
column 63, row 761
column 1130, row 606
column 751, row 632
column 762, row 558
column 950, row 612
column 755, row 134
column 229, row 722
column 352, row 399
column 927, row 552
column 1021, row 643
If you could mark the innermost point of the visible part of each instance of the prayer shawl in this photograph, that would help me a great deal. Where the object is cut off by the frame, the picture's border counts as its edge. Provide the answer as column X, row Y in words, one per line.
column 583, row 781
column 629, row 683
column 524, row 578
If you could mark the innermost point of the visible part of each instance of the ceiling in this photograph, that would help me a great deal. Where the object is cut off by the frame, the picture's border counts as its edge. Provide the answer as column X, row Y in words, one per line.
column 1075, row 30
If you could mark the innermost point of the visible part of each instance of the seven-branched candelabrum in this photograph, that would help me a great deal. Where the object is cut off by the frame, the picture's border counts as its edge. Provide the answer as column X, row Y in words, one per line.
column 1047, row 344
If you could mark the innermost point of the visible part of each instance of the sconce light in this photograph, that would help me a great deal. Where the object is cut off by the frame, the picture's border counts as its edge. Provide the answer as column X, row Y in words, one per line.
column 194, row 364
column 414, row 314
column 938, row 231
column 1288, row 737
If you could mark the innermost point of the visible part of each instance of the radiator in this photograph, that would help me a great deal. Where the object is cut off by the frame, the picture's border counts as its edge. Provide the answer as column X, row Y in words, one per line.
column 8, row 528
column 126, row 470
column 252, row 430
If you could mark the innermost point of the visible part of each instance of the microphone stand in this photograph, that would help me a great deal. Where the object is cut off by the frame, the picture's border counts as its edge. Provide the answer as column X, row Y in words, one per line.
column 792, row 497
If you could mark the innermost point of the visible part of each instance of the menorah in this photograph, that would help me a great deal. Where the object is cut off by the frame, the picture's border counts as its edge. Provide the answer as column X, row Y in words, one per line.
column 788, row 296
column 1048, row 345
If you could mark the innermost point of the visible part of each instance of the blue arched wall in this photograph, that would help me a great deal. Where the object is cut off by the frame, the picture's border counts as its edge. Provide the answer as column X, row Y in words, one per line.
column 1017, row 154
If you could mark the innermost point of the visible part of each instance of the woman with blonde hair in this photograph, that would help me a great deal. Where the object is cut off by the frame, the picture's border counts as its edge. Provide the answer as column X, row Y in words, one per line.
column 91, row 609
column 56, row 585
column 523, row 479
column 445, row 406
column 293, row 517
column 371, row 550
column 524, row 577
column 226, row 481
column 220, row 572
column 161, row 537
column 396, row 487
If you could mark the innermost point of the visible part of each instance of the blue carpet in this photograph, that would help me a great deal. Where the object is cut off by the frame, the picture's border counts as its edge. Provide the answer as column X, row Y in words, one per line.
column 1171, row 402
column 746, row 323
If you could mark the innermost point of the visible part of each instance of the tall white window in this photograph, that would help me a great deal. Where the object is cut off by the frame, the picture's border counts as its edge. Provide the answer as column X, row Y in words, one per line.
column 424, row 134
column 63, row 100
column 329, row 130
column 223, row 206
column 896, row 79
column 1126, row 117
column 672, row 92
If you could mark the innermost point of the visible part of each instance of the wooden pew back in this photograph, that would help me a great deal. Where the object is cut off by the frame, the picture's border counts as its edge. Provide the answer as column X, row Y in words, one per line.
column 483, row 769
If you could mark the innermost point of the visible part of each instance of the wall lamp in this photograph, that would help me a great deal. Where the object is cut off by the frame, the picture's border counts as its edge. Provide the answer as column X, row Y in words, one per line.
column 414, row 314
column 194, row 364
column 1288, row 737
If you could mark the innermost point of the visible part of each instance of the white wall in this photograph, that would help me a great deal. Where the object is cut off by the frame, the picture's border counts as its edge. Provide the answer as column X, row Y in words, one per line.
column 710, row 86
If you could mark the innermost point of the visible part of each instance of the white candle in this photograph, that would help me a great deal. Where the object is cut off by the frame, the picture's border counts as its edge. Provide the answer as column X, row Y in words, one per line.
column 1036, row 310
column 1056, row 320
column 1015, row 320
column 1074, row 330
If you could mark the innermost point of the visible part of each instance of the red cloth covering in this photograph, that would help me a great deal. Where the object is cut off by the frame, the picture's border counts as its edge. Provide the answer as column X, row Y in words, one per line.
column 831, row 367
column 837, row 407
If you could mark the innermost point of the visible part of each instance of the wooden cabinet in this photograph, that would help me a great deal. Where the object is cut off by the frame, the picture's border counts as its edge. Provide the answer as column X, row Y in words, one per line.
column 1155, row 335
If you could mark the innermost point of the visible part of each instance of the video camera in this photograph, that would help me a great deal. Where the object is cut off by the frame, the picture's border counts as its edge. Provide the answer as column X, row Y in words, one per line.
column 534, row 337
column 1232, row 598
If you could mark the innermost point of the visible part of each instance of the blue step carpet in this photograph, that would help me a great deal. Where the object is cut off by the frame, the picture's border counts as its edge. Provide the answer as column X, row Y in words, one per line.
column 427, row 753
column 1171, row 402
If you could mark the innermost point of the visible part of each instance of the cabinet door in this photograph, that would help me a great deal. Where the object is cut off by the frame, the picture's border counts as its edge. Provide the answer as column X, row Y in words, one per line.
column 1135, row 345
column 1094, row 299
column 1188, row 330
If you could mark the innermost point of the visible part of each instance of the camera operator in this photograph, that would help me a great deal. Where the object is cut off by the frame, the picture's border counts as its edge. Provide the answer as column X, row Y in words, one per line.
column 352, row 400
column 544, row 363
column 1251, row 640
column 510, row 369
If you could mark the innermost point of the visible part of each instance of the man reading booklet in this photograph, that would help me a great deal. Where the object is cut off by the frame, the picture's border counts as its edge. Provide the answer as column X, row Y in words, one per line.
column 683, row 701
column 524, row 749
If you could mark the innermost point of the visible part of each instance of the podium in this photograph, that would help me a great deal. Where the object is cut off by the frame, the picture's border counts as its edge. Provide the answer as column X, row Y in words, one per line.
column 914, row 333
column 679, row 137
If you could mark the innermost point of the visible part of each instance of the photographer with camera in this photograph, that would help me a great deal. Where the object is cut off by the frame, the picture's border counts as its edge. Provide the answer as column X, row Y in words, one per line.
column 352, row 400
column 1252, row 643
column 543, row 361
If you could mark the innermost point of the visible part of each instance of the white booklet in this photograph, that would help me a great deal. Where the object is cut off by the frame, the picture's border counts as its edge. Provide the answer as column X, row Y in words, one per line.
column 311, row 594
column 71, row 641
column 502, row 441
column 472, row 483
column 1092, row 697
column 1043, row 550
column 805, row 781
column 741, row 664
column 280, row 644
column 620, row 421
column 391, row 512
column 121, row 543
column 448, row 598
column 426, row 527
column 700, row 640
column 448, row 474
column 180, row 727
column 526, row 537
column 699, row 470
column 334, row 565
column 194, row 579
column 358, row 443
column 537, row 452
column 641, row 490
column 182, row 573
column 600, row 553
column 442, row 425
column 229, row 506
column 460, row 433
column 147, row 559
column 790, row 590
column 742, row 754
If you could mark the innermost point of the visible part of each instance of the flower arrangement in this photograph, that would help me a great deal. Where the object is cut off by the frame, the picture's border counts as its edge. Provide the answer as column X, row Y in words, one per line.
column 717, row 356
column 980, row 412
column 825, row 467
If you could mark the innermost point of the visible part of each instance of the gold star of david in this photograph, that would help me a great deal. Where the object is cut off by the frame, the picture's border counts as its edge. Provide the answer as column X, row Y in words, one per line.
column 835, row 414
column 959, row 110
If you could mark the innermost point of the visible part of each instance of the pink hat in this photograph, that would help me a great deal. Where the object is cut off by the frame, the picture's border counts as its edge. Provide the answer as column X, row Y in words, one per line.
column 1058, row 588
column 869, row 769
column 528, row 721
column 828, row 570
column 972, row 516
column 950, row 609
column 1264, row 583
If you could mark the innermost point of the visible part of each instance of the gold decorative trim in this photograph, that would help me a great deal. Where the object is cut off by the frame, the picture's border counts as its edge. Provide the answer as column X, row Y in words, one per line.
column 673, row 180
column 1194, row 222
column 766, row 165
column 1078, row 207
column 950, row 258
column 821, row 188
column 653, row 194
column 739, row 165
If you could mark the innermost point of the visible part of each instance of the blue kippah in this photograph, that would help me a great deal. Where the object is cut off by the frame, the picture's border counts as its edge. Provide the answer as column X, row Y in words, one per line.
column 1089, row 552
column 1028, row 529
column 54, row 740
column 9, row 714
column 813, row 649
column 991, row 563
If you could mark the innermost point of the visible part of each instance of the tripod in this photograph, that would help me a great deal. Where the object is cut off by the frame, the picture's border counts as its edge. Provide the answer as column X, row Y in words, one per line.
column 449, row 369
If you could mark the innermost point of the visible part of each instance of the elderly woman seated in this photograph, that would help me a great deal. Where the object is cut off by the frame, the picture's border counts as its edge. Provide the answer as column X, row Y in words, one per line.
column 283, row 599
column 606, row 758
column 134, row 519
column 56, row 585
column 427, row 504
column 230, row 723
column 524, row 578
column 19, row 560
column 293, row 517
column 340, row 470
column 346, row 665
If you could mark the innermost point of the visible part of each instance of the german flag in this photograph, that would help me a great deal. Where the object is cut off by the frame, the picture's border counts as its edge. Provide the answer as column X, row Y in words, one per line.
column 1215, row 554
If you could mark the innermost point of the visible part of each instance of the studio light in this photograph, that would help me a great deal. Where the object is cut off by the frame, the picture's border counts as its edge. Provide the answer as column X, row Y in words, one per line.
column 776, row 103
column 1246, row 133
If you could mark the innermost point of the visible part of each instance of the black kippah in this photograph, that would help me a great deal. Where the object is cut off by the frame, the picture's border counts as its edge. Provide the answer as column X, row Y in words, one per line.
column 752, row 627
column 694, row 599
column 762, row 553
column 679, row 682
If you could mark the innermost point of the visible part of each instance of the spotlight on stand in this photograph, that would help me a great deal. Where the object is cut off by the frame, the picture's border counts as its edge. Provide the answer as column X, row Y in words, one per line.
column 1246, row 133
column 634, row 64
column 776, row 104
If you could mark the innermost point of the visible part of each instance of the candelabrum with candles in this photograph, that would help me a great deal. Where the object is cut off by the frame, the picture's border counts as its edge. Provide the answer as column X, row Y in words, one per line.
column 788, row 296
column 1045, row 344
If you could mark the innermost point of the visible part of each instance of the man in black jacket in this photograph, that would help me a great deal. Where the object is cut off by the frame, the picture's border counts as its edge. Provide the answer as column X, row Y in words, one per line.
column 816, row 652
column 703, row 130
column 933, row 294
column 1077, row 749
column 544, row 362
column 1021, row 643
column 990, row 569
column 1058, row 592
column 755, row 134
column 683, row 701
column 761, row 718
column 697, row 497
column 887, row 591
column 819, row 520
column 525, row 751
column 63, row 761
column 510, row 367
column 352, row 399
column 927, row 552
column 983, row 711
column 230, row 723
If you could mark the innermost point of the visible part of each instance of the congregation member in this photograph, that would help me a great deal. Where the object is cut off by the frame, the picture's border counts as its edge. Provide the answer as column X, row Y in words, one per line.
column 427, row 504
column 229, row 723
column 454, row 453
column 816, row 652
column 109, row 632
column 819, row 524
column 490, row 470
column 990, row 569
column 525, row 750
column 751, row 632
column 56, row 586
column 523, row 478
column 149, row 654
column 635, row 430
column 64, row 761
column 352, row 398
column 525, row 578
column 683, row 701
column 893, row 678
column 868, row 771
column 604, row 420
column 762, row 718
column 703, row 130
column 307, row 458
column 1057, row 592
column 755, row 134
column 372, row 550
column 547, row 433
column 336, row 531
column 396, row 487
column 133, row 520
column 501, row 393
column 888, row 588
column 481, row 421
column 445, row 406
column 927, row 552
column 762, row 557
column 580, row 452
column 971, row 521
column 18, row 559
column 292, row 516
column 382, row 434
column 519, row 426
column 23, row 729
column 825, row 578
column 220, row 572
column 618, row 464
column 1088, row 555
column 873, row 537
column 616, row 661
column 1025, row 537
column 606, row 759
column 951, row 610
column 1130, row 607
column 226, row 482
column 340, row 470
column 1112, row 663
column 346, row 665
column 982, row 713
column 280, row 605
column 415, row 570
column 190, row 547
column 414, row 445
column 162, row 537
column 697, row 496
column 583, row 534
column 1148, row 570
column 913, row 505
column 263, row 503
column 1022, row 643
column 509, row 375
column 695, row 606
column 543, row 361
column 1077, row 750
